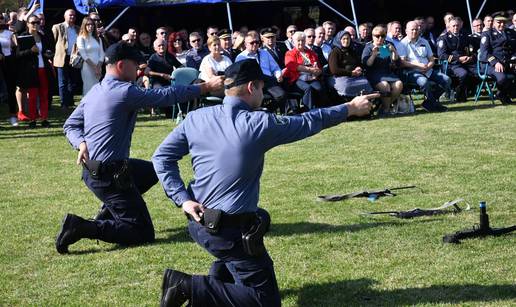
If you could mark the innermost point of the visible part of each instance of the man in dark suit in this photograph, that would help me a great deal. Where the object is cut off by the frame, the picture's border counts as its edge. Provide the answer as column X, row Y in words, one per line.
column 310, row 44
column 277, row 50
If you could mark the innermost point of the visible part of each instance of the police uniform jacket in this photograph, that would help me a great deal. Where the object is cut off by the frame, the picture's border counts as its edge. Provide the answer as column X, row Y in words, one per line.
column 497, row 47
column 450, row 47
column 106, row 116
column 227, row 144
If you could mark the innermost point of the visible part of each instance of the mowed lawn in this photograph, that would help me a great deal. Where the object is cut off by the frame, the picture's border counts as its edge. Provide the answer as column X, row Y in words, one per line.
column 325, row 254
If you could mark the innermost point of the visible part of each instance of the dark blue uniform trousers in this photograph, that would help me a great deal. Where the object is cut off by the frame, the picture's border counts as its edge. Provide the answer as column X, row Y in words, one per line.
column 502, row 81
column 235, row 278
column 125, row 218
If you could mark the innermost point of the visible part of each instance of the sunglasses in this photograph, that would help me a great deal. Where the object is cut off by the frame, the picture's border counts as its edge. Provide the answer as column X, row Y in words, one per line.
column 89, row 24
column 95, row 19
column 195, row 41
column 162, row 33
column 291, row 31
column 34, row 22
column 310, row 36
column 254, row 43
column 177, row 40
column 379, row 35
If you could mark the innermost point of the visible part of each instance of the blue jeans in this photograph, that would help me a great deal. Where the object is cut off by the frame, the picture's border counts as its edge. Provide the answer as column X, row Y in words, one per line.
column 125, row 219
column 67, row 81
column 432, row 93
column 235, row 278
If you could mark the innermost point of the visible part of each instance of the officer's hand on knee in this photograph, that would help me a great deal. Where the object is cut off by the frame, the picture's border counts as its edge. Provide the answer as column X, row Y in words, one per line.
column 361, row 105
column 194, row 209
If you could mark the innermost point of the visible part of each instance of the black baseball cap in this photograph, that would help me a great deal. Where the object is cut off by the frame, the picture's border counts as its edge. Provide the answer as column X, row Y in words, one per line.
column 123, row 51
column 242, row 72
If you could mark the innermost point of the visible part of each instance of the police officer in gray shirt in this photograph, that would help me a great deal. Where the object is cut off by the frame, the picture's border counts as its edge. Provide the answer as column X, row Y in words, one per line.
column 227, row 144
column 100, row 128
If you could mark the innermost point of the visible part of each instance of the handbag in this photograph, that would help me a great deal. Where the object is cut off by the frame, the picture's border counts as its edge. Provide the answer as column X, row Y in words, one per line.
column 76, row 59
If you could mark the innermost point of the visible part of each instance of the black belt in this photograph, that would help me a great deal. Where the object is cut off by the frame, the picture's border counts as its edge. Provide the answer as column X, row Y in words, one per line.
column 101, row 169
column 231, row 220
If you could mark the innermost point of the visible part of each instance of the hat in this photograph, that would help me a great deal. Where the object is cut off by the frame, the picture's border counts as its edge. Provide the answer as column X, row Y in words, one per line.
column 122, row 51
column 500, row 16
column 242, row 72
column 268, row 32
column 224, row 33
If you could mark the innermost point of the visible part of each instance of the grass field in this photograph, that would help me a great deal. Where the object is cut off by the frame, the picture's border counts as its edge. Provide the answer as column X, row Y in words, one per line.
column 326, row 254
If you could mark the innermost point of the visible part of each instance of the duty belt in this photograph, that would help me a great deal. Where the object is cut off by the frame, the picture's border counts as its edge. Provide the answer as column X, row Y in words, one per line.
column 99, row 169
column 221, row 219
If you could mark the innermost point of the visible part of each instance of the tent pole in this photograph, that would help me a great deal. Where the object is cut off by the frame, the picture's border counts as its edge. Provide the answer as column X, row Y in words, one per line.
column 481, row 8
column 117, row 17
column 354, row 17
column 229, row 17
column 469, row 14
column 336, row 12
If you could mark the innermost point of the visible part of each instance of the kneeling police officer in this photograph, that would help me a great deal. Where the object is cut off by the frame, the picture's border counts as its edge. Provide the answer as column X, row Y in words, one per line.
column 101, row 128
column 227, row 144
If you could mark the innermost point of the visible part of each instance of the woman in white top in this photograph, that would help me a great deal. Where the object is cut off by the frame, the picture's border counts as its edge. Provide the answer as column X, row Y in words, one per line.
column 8, row 67
column 215, row 63
column 92, row 52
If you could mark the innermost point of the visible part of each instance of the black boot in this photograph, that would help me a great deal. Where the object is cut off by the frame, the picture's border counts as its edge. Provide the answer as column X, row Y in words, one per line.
column 72, row 230
column 176, row 288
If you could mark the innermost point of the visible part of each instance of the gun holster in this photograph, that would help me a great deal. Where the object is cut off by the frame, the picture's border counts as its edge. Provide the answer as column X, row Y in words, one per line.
column 211, row 220
column 122, row 177
column 93, row 168
column 252, row 240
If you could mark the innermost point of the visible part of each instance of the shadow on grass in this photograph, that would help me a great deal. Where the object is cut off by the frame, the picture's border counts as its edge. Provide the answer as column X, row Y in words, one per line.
column 359, row 293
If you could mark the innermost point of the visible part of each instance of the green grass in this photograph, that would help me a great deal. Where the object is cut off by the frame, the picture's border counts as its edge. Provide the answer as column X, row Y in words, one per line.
column 325, row 254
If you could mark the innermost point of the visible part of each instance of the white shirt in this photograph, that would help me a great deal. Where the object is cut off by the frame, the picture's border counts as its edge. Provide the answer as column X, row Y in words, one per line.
column 209, row 63
column 71, row 35
column 417, row 52
column 5, row 42
column 41, row 64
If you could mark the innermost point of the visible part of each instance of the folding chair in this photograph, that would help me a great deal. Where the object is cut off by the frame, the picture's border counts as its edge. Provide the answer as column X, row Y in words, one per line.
column 486, row 82
column 183, row 76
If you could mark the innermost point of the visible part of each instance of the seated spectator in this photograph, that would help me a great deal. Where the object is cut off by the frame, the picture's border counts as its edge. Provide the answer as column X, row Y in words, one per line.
column 33, row 66
column 161, row 65
column 277, row 51
column 310, row 44
column 381, row 59
column 357, row 45
column 418, row 59
column 289, row 32
column 329, row 32
column 144, row 45
column 302, row 68
column 177, row 47
column 513, row 25
column 91, row 50
column 215, row 63
column 161, row 33
column 364, row 34
column 497, row 53
column 113, row 35
column 346, row 68
column 488, row 23
column 475, row 36
column 269, row 67
column 226, row 44
column 319, row 36
column 195, row 55
column 127, row 38
column 454, row 47
column 394, row 35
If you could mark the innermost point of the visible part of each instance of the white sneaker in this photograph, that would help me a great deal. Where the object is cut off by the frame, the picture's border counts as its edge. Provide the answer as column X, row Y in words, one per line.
column 13, row 121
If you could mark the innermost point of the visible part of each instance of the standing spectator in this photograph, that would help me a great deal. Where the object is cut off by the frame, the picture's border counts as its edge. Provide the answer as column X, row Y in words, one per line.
column 319, row 36
column 113, row 35
column 346, row 67
column 513, row 26
column 92, row 52
column 381, row 59
column 210, row 31
column 9, row 70
column 32, row 76
column 303, row 68
column 195, row 55
column 418, row 59
column 65, row 36
column 13, row 18
column 101, row 32
column 177, row 47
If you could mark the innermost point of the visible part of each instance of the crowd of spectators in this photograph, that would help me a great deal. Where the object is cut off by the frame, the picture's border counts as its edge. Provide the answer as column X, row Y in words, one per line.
column 320, row 64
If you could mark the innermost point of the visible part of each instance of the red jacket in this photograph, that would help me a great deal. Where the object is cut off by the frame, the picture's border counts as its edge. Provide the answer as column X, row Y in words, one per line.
column 293, row 59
